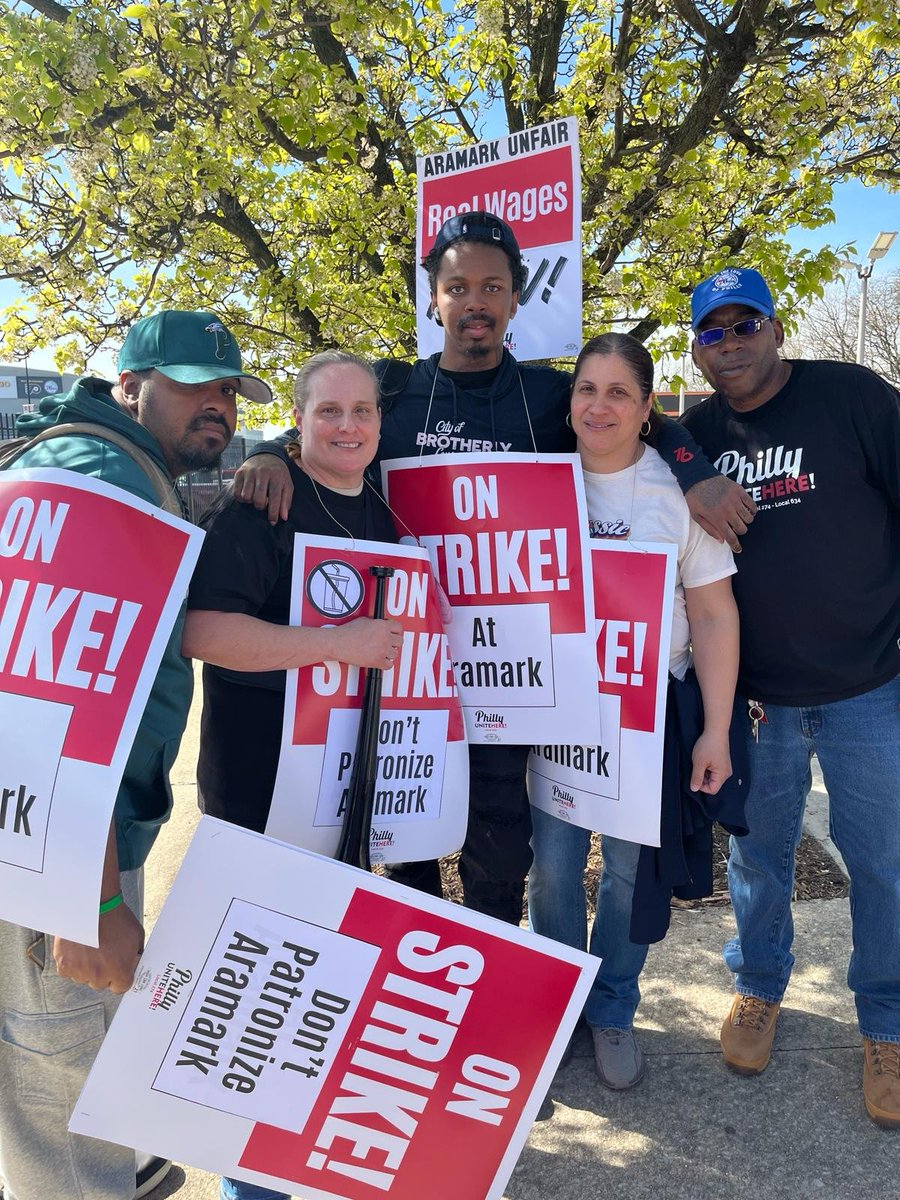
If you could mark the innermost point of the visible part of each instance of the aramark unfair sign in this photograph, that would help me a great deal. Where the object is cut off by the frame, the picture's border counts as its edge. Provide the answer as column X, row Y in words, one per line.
column 307, row 1027
column 421, row 797
column 522, row 635
column 614, row 785
column 91, row 581
column 531, row 180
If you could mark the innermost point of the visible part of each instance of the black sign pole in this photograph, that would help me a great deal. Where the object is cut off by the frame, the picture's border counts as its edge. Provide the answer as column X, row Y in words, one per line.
column 356, row 834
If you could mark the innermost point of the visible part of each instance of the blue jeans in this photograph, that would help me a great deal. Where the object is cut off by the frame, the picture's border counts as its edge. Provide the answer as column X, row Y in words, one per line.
column 237, row 1189
column 557, row 908
column 858, row 746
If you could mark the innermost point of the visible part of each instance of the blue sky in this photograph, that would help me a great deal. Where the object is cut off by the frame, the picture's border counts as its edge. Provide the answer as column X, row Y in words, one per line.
column 860, row 213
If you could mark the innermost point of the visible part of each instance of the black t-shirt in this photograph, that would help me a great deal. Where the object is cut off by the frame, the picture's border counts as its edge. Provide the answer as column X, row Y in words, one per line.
column 818, row 582
column 245, row 567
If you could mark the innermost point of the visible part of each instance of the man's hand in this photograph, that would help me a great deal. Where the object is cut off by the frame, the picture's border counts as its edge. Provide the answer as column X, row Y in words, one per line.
column 722, row 508
column 711, row 761
column 112, row 964
column 265, row 482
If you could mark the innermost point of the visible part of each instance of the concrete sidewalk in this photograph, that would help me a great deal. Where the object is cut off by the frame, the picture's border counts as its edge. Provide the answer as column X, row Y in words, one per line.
column 691, row 1130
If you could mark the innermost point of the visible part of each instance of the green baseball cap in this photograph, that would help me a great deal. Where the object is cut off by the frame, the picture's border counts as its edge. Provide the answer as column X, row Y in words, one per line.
column 189, row 347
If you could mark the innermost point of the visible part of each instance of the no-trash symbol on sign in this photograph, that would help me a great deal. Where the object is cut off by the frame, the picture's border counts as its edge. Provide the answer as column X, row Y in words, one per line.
column 335, row 589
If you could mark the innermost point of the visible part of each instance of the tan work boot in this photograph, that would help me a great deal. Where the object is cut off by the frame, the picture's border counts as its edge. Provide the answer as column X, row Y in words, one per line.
column 748, row 1033
column 881, row 1082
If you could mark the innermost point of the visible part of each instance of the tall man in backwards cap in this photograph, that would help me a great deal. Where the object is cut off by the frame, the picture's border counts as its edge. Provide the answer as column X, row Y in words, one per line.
column 488, row 401
column 179, row 378
column 817, row 446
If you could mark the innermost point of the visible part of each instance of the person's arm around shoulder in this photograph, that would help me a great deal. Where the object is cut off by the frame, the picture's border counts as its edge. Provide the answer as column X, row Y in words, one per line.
column 717, row 504
column 239, row 642
column 713, row 619
column 112, row 964
column 264, row 479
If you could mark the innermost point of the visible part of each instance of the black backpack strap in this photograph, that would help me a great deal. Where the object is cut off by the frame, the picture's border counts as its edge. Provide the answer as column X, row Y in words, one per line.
column 393, row 376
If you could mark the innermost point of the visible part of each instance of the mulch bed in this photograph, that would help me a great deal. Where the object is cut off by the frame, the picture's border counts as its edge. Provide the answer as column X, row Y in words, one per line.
column 818, row 876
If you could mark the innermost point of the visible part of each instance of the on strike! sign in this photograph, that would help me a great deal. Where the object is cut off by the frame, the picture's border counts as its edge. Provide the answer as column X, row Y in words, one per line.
column 531, row 180
column 91, row 581
column 521, row 637
column 422, row 786
column 308, row 1027
column 613, row 783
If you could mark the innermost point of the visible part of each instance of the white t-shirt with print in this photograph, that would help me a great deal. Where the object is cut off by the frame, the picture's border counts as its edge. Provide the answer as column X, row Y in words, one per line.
column 644, row 503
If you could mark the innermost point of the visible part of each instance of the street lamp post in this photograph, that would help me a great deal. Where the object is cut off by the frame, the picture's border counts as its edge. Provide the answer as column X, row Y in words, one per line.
column 879, row 249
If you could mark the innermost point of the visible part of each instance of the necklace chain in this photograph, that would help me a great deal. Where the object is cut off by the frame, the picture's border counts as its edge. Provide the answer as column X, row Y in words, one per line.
column 327, row 510
column 375, row 492
column 431, row 402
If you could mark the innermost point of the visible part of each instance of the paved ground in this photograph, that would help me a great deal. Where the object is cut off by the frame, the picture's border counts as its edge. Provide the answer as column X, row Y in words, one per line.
column 691, row 1130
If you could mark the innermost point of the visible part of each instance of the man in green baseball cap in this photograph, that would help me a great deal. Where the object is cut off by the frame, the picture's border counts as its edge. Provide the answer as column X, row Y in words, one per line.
column 172, row 409
column 189, row 347
column 180, row 374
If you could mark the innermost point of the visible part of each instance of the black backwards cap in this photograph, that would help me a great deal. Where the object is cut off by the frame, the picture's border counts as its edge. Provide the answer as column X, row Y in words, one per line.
column 475, row 227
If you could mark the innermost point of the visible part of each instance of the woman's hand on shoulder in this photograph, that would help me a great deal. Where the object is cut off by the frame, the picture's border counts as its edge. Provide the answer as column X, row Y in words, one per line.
column 711, row 759
column 265, row 482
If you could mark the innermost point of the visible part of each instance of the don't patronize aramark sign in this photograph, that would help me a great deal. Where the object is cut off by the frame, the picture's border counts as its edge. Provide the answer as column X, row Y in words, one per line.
column 420, row 807
column 308, row 1027
column 518, row 580
column 613, row 784
column 91, row 581
column 532, row 180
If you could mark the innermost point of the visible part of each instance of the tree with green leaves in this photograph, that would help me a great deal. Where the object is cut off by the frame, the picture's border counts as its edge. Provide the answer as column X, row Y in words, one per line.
column 258, row 156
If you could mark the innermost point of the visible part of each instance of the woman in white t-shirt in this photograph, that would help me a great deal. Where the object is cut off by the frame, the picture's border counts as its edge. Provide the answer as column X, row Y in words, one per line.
column 632, row 495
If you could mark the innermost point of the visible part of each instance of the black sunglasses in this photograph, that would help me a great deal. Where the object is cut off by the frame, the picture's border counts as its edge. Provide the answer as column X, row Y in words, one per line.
column 741, row 329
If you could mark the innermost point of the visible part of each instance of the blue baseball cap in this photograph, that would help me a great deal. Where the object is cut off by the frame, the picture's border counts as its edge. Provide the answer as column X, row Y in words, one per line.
column 734, row 285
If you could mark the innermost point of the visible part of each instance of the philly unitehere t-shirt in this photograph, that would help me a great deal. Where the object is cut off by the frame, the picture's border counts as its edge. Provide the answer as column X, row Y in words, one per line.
column 818, row 582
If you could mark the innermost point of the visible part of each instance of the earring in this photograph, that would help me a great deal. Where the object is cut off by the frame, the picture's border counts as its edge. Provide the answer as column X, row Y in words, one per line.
column 569, row 419
column 437, row 319
column 645, row 432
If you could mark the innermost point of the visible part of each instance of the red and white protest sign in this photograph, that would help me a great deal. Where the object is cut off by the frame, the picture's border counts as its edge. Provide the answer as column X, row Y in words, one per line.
column 613, row 784
column 521, row 637
column 91, row 582
column 421, row 793
column 310, row 1028
column 532, row 180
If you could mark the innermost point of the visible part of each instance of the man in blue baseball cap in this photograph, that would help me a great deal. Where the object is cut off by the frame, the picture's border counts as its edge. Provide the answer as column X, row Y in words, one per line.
column 817, row 446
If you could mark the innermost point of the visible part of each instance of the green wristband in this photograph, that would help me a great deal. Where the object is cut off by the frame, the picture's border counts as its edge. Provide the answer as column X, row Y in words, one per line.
column 112, row 902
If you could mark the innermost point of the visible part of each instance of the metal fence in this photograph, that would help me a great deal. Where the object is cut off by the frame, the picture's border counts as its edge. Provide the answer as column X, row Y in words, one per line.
column 199, row 488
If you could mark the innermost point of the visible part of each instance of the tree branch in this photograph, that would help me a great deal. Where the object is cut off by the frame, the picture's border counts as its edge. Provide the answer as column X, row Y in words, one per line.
column 233, row 217
column 49, row 8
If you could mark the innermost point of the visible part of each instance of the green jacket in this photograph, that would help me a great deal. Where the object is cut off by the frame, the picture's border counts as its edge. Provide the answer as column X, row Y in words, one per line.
column 144, row 799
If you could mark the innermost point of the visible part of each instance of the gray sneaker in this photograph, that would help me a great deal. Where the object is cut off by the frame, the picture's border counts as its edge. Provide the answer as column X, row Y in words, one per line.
column 618, row 1058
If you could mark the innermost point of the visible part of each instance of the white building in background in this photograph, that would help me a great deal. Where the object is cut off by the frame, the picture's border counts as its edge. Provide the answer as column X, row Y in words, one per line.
column 21, row 386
